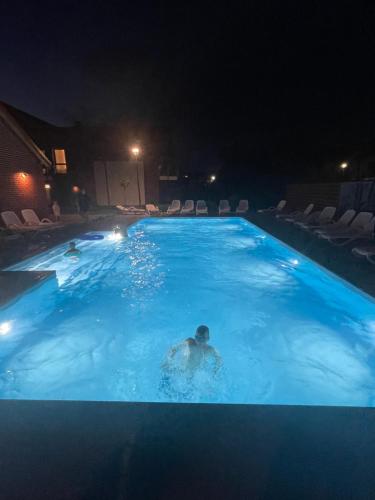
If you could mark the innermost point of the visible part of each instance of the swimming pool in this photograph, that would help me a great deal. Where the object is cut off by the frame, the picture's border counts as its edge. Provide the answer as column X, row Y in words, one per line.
column 288, row 332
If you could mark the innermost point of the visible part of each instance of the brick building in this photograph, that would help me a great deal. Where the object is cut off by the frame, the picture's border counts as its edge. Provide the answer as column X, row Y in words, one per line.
column 22, row 183
column 82, row 146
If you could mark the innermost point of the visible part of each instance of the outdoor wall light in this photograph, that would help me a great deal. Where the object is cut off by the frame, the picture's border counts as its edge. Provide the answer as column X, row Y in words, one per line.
column 135, row 151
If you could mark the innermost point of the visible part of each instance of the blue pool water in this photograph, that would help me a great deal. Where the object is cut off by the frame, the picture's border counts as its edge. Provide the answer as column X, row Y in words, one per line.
column 288, row 331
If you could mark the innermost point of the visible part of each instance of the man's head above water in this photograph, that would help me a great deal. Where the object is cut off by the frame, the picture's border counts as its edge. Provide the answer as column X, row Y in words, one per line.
column 202, row 334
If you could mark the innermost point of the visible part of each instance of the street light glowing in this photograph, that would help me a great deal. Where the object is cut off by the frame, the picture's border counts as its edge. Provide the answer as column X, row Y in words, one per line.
column 212, row 178
column 344, row 165
column 47, row 186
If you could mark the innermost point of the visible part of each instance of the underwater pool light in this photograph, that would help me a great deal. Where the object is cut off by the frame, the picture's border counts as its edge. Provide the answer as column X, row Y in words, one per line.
column 5, row 327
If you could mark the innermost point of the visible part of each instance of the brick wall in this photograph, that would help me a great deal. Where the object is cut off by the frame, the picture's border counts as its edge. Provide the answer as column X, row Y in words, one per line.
column 322, row 195
column 17, row 190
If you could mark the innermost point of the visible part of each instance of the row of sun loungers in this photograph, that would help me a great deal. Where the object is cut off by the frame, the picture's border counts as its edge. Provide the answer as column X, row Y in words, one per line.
column 31, row 221
column 351, row 228
column 200, row 208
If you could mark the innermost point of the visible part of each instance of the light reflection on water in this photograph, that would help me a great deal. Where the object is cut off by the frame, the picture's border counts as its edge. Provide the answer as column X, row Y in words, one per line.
column 288, row 332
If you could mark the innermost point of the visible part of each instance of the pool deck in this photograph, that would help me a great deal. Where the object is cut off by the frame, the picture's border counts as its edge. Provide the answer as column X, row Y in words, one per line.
column 90, row 451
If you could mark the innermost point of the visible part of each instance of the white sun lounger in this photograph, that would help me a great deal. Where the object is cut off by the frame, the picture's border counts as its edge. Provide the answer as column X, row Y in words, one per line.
column 130, row 210
column 242, row 207
column 174, row 207
column 361, row 227
column 300, row 216
column 319, row 219
column 201, row 208
column 342, row 222
column 297, row 214
column 12, row 221
column 279, row 208
column 224, row 207
column 152, row 209
column 31, row 219
column 367, row 252
column 188, row 207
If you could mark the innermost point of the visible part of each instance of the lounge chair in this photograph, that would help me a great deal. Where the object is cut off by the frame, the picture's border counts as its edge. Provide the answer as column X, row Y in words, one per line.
column 362, row 227
column 31, row 219
column 188, row 207
column 12, row 221
column 318, row 219
column 201, row 208
column 296, row 213
column 152, row 209
column 224, row 207
column 131, row 210
column 367, row 252
column 300, row 216
column 342, row 222
column 174, row 207
column 242, row 207
column 279, row 208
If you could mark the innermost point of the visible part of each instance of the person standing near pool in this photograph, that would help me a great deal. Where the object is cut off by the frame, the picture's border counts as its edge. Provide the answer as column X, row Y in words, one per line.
column 84, row 203
column 193, row 354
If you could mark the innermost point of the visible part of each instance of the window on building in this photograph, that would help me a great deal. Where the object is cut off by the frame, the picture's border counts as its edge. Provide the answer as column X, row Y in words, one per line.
column 59, row 160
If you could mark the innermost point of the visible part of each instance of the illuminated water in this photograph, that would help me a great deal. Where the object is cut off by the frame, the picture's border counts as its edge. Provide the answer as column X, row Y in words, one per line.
column 288, row 331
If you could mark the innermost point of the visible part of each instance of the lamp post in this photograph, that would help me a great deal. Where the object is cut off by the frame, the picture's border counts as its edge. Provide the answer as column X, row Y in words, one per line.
column 135, row 152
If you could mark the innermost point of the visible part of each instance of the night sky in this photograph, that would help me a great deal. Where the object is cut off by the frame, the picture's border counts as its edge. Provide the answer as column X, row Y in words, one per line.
column 248, row 83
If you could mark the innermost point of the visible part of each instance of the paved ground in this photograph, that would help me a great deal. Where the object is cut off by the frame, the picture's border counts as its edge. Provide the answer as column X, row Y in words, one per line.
column 121, row 451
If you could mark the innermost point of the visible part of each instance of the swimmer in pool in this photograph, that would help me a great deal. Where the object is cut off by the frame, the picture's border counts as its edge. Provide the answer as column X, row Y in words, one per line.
column 72, row 251
column 195, row 354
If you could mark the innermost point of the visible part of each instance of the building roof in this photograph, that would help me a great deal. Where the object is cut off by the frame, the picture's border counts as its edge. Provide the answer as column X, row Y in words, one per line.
column 14, row 118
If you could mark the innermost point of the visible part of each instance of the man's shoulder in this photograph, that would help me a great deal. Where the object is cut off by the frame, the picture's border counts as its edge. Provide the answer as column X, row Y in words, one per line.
column 190, row 341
